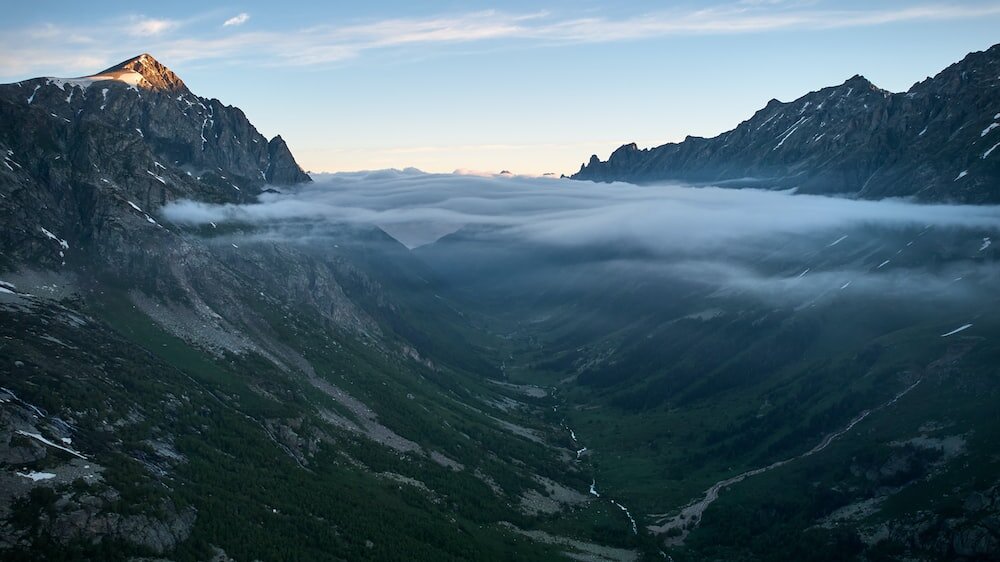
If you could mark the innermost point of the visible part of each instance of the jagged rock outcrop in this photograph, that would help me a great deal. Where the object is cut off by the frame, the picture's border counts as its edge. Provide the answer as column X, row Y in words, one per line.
column 282, row 169
column 939, row 141
column 85, row 518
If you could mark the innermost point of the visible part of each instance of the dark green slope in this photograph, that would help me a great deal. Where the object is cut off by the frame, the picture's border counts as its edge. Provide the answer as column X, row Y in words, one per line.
column 178, row 432
column 675, row 383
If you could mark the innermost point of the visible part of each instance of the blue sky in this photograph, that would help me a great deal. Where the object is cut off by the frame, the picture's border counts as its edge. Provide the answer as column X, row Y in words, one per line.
column 531, row 87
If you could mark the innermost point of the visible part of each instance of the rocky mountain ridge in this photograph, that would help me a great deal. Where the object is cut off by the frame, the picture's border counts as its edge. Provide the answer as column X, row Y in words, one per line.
column 936, row 142
column 187, row 133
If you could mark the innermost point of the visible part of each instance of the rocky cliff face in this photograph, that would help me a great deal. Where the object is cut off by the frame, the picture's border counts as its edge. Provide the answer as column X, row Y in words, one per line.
column 281, row 167
column 936, row 142
column 86, row 157
column 154, row 111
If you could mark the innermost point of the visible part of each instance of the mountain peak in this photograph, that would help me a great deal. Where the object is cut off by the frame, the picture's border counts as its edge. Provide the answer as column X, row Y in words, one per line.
column 858, row 79
column 146, row 72
column 860, row 83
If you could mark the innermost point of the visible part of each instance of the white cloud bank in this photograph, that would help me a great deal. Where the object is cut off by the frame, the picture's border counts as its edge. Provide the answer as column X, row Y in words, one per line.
column 765, row 242
column 566, row 212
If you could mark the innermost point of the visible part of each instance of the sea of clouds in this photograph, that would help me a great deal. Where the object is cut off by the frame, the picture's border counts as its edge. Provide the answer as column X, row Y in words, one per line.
column 737, row 238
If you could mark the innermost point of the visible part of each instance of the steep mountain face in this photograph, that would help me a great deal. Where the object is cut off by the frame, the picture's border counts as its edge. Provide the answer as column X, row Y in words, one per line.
column 141, row 100
column 936, row 142
column 82, row 156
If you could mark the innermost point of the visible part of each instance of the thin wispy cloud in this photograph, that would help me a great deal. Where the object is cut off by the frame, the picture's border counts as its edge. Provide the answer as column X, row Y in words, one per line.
column 236, row 20
column 147, row 27
column 745, row 19
column 330, row 43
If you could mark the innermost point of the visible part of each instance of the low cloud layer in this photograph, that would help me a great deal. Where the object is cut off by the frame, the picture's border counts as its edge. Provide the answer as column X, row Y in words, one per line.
column 750, row 240
column 565, row 212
